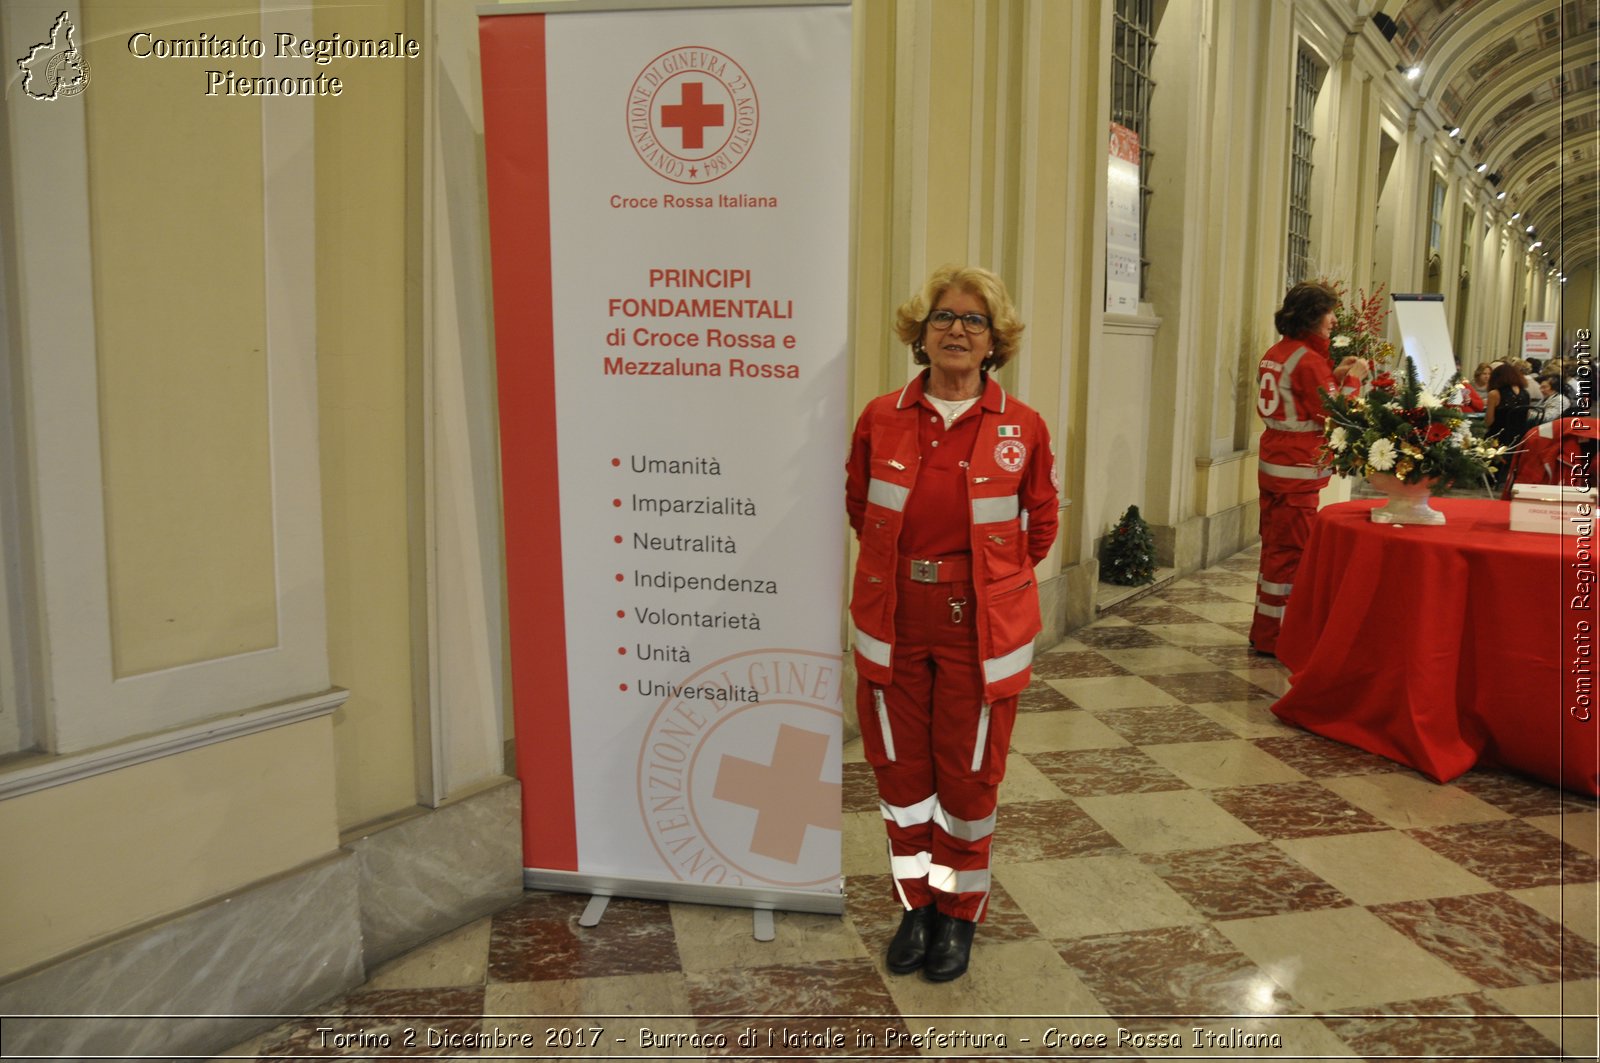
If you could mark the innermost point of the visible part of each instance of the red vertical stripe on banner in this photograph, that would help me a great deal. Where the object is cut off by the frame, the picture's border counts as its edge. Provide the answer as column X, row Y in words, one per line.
column 518, row 155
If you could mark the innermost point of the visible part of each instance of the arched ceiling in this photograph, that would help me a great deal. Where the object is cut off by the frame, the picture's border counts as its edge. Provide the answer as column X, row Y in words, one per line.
column 1519, row 77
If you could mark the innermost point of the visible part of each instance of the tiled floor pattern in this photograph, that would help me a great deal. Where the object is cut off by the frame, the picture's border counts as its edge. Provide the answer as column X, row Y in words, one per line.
column 1176, row 872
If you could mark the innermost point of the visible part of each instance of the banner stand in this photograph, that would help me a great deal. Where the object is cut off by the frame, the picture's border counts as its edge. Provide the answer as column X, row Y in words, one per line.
column 669, row 205
column 729, row 896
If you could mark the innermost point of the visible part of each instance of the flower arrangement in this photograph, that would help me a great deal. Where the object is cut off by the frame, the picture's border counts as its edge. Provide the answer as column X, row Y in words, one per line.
column 1358, row 329
column 1400, row 428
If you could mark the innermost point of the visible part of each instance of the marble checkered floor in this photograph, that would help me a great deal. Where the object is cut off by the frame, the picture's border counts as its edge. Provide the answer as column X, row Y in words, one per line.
column 1169, row 858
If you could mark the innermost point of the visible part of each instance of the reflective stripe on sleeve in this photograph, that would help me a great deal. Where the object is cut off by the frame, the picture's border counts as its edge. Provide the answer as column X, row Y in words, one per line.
column 1292, row 472
column 875, row 650
column 995, row 510
column 949, row 880
column 1280, row 589
column 968, row 830
column 998, row 668
column 888, row 495
column 1269, row 610
column 910, row 815
column 1286, row 389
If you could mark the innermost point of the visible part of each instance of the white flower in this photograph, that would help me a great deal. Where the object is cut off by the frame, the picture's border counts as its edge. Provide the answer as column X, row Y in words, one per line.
column 1381, row 455
column 1338, row 439
column 1342, row 341
column 1427, row 400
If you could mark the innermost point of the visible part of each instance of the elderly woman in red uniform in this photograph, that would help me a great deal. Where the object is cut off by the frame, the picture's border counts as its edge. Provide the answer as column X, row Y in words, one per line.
column 1294, row 375
column 951, row 490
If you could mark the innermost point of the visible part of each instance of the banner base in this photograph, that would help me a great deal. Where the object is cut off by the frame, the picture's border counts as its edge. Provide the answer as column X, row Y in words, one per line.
column 768, row 897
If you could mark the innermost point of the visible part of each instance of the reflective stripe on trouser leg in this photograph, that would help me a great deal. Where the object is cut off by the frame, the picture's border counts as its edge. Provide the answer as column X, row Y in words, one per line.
column 1286, row 520
column 906, row 800
column 969, row 774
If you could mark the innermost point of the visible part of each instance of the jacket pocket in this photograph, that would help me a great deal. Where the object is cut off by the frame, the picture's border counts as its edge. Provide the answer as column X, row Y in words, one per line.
column 1003, row 544
column 1013, row 611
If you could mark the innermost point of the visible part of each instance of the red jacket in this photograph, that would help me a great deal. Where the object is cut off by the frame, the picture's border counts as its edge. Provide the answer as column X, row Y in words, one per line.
column 1293, row 377
column 1012, row 493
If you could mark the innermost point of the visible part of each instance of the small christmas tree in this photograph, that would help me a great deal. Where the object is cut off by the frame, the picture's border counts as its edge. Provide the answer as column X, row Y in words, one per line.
column 1129, row 557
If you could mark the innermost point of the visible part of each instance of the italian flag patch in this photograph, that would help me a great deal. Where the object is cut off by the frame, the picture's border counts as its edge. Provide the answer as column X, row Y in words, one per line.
column 1010, row 430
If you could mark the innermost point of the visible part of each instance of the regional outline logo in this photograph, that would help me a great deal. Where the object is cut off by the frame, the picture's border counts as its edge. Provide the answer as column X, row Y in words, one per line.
column 55, row 69
column 692, row 115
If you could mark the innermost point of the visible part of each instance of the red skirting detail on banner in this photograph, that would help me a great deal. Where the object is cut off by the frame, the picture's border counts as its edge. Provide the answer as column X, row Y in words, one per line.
column 514, row 119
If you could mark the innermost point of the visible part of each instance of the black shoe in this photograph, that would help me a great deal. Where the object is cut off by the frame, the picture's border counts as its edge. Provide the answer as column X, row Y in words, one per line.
column 951, row 948
column 910, row 945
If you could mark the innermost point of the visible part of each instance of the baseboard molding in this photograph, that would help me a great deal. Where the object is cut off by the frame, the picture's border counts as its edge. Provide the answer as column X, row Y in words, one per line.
column 429, row 874
column 277, row 947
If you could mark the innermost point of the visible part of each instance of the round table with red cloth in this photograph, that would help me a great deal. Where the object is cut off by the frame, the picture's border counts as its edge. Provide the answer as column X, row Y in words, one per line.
column 1447, row 646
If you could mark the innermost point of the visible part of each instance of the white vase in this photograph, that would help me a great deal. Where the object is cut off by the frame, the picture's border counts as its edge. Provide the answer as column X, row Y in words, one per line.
column 1406, row 503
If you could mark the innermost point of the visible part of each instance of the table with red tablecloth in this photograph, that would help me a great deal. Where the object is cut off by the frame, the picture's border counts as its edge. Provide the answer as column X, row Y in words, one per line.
column 1446, row 646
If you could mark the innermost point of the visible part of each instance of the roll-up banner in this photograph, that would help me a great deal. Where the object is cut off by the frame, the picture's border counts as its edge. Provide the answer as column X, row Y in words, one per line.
column 668, row 212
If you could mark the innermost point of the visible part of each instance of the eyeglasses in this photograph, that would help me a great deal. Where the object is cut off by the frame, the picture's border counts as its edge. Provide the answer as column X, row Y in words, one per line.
column 943, row 319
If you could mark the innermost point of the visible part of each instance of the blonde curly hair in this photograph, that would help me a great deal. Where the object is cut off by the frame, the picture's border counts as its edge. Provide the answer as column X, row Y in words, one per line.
column 1005, row 327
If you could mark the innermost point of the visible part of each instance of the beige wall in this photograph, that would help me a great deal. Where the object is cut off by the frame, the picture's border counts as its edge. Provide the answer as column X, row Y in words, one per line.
column 176, row 224
column 367, row 394
column 99, row 856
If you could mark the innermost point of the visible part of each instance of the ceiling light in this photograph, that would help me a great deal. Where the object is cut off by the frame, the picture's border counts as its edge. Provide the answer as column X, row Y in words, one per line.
column 1413, row 73
column 1529, row 230
column 1517, row 215
column 1535, row 245
column 1455, row 131
column 1501, row 196
column 1482, row 166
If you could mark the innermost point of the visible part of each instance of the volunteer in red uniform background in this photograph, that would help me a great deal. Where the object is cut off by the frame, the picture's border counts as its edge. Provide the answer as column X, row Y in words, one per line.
column 1293, row 377
column 951, row 490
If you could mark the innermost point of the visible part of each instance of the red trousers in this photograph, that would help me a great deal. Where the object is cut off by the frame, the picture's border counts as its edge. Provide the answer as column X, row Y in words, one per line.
column 938, row 751
column 1286, row 519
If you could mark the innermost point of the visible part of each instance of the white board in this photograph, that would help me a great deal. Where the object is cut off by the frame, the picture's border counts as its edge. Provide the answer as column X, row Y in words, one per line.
column 1425, row 337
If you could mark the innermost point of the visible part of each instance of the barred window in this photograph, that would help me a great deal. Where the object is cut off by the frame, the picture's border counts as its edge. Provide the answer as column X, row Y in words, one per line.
column 1133, row 43
column 1307, row 81
column 1436, row 215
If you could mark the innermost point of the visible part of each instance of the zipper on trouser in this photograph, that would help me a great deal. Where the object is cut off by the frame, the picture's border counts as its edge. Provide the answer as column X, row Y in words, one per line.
column 883, row 723
column 983, row 738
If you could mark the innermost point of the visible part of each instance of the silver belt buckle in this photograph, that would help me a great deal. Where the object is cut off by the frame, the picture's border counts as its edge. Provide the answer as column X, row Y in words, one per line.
column 925, row 571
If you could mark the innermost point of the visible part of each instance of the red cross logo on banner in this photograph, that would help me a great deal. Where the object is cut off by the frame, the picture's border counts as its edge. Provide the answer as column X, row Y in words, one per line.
column 788, row 794
column 693, row 115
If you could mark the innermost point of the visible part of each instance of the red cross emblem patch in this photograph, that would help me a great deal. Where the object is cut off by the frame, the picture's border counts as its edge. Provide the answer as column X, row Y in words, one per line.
column 1010, row 455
